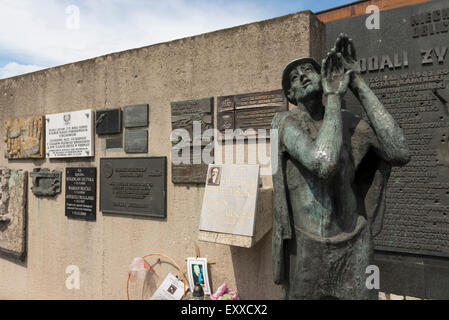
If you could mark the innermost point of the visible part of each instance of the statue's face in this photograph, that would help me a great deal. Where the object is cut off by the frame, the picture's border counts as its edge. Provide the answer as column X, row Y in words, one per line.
column 305, row 83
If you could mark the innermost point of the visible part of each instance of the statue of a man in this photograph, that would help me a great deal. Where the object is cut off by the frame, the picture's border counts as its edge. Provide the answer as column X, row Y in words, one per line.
column 329, row 191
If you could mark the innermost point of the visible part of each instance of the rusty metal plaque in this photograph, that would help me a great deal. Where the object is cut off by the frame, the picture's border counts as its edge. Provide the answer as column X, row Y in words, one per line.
column 134, row 186
column 24, row 138
column 250, row 112
column 195, row 117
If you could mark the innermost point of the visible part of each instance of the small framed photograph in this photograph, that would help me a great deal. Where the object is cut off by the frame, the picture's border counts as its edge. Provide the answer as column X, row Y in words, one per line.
column 213, row 178
column 197, row 272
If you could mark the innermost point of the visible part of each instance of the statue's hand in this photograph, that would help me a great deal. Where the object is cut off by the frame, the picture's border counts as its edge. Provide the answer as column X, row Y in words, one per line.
column 346, row 47
column 334, row 78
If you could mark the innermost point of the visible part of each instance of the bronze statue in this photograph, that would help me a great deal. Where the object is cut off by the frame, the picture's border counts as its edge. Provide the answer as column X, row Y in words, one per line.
column 329, row 191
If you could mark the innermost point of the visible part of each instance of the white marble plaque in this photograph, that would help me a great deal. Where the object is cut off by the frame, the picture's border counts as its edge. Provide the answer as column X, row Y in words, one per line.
column 70, row 134
column 229, row 204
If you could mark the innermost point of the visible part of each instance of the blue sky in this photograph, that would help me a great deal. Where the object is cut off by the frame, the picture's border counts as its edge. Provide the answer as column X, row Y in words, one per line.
column 37, row 34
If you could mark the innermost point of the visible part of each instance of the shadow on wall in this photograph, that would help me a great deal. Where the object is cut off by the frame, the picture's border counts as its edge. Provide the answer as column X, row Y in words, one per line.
column 253, row 271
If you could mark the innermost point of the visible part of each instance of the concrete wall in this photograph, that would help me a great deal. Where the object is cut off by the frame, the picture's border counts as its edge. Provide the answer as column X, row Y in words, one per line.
column 244, row 59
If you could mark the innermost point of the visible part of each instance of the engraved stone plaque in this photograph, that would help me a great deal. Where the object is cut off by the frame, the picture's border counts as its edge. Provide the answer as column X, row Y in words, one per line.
column 134, row 186
column 46, row 183
column 81, row 193
column 70, row 134
column 24, row 138
column 136, row 141
column 136, row 116
column 406, row 63
column 250, row 112
column 194, row 117
column 229, row 204
column 108, row 121
column 13, row 213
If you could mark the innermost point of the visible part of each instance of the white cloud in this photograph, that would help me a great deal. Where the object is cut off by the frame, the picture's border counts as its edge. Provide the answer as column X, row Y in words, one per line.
column 13, row 69
column 36, row 32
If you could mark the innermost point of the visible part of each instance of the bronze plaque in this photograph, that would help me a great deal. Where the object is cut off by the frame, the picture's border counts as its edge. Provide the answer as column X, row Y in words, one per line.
column 24, row 138
column 187, row 115
column 250, row 112
column 134, row 186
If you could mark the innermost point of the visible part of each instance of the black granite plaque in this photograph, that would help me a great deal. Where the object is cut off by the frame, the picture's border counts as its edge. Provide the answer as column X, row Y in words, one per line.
column 134, row 186
column 250, row 112
column 81, row 193
column 136, row 116
column 406, row 63
column 108, row 121
column 136, row 141
column 186, row 115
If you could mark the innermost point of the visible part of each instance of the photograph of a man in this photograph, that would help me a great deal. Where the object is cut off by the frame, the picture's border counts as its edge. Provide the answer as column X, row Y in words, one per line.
column 214, row 176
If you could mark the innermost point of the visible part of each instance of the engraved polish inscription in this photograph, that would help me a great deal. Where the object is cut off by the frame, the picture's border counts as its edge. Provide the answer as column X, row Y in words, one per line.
column 81, row 193
column 133, row 186
column 250, row 112
column 408, row 71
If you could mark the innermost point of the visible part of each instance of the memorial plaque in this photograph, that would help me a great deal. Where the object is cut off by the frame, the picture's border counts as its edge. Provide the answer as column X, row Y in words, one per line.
column 250, row 112
column 229, row 204
column 195, row 117
column 81, row 193
column 136, row 116
column 46, row 183
column 136, row 141
column 24, row 138
column 114, row 143
column 13, row 213
column 134, row 186
column 70, row 134
column 406, row 63
column 108, row 121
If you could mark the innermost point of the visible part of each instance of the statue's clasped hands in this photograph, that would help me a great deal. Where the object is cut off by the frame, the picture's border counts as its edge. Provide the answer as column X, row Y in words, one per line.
column 340, row 66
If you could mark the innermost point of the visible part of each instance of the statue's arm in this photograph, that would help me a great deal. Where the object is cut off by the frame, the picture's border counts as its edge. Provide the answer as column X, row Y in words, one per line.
column 322, row 155
column 391, row 145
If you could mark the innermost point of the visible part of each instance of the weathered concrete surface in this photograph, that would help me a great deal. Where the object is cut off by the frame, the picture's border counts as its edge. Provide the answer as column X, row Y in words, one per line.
column 248, row 58
column 13, row 213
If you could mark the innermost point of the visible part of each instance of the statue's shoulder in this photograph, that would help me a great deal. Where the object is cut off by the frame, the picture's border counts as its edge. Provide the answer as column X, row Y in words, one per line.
column 279, row 119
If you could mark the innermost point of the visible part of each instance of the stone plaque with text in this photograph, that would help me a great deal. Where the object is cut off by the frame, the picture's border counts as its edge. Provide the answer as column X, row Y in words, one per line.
column 406, row 63
column 81, row 193
column 250, row 112
column 194, row 117
column 70, row 134
column 229, row 203
column 134, row 186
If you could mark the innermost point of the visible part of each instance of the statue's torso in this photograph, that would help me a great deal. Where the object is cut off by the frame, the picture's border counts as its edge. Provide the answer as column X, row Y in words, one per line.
column 328, row 208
